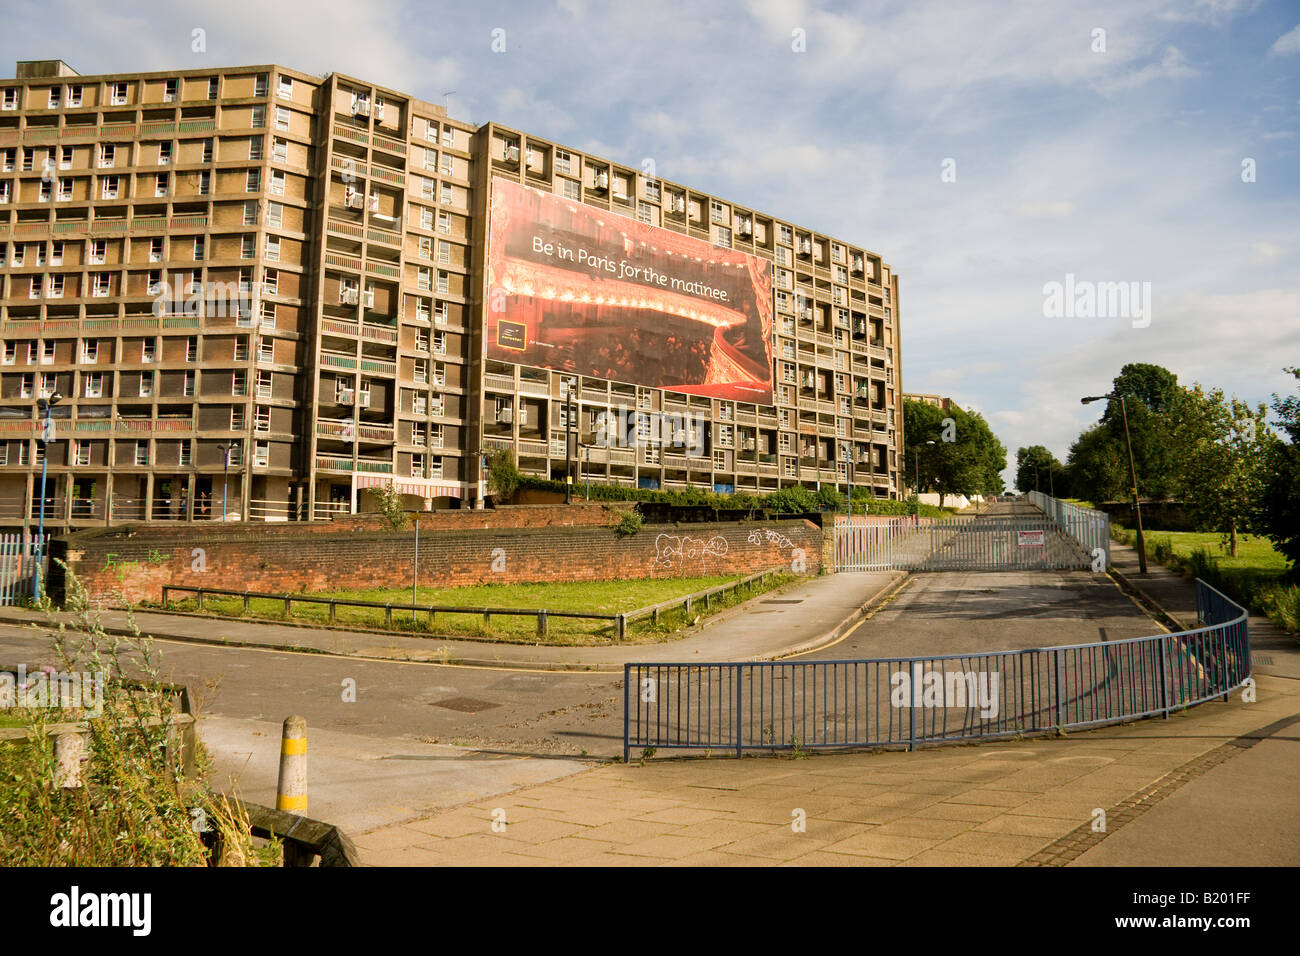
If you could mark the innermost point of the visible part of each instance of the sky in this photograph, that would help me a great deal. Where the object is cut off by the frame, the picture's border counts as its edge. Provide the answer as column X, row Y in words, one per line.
column 986, row 150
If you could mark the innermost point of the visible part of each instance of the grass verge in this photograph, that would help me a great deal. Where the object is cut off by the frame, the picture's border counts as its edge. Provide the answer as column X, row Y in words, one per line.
column 1256, row 577
column 594, row 597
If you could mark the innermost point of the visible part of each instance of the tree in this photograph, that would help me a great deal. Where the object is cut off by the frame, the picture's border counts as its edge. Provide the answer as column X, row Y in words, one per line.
column 1279, row 501
column 1219, row 477
column 1151, row 393
column 388, row 500
column 965, row 458
column 1097, row 466
column 503, row 475
column 1037, row 469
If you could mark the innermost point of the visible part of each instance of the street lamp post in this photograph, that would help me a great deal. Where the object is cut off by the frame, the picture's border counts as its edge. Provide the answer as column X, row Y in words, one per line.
column 47, row 434
column 568, row 446
column 227, row 448
column 1132, row 471
column 916, row 462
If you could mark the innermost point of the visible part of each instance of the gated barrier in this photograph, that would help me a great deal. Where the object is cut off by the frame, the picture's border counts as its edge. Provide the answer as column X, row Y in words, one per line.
column 909, row 701
column 994, row 542
column 1088, row 527
column 17, row 562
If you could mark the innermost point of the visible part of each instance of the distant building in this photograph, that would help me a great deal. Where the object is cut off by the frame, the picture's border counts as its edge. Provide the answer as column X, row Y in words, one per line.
column 938, row 401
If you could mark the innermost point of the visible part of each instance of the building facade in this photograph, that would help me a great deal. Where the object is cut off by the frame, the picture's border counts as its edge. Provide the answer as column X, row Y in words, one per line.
column 253, row 292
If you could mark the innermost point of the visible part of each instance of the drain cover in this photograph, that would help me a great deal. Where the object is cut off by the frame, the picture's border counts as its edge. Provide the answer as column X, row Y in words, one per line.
column 466, row 705
column 782, row 601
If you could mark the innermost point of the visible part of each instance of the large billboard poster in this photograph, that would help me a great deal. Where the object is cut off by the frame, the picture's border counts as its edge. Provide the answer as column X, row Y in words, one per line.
column 578, row 289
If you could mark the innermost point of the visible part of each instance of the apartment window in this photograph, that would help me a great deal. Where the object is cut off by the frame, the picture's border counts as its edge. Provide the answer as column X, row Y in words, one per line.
column 7, row 160
column 717, row 211
column 431, row 159
column 280, row 150
column 417, row 434
column 10, row 98
column 250, row 213
column 724, row 237
column 343, row 392
column 148, row 351
column 236, row 454
column 263, row 384
column 29, row 158
column 786, row 235
column 247, row 247
column 570, row 189
column 426, row 247
column 142, row 453
column 155, row 280
column 258, row 119
column 164, row 154
column 563, row 163
column 212, row 88
column 419, row 403
column 266, row 350
column 445, row 194
column 262, row 419
column 65, row 157
column 200, row 248
column 423, row 279
column 421, row 372
column 155, row 255
column 421, row 341
column 444, row 222
column 65, row 190
column 285, row 91
column 417, row 465
column 169, row 91
column 81, row 452
column 11, row 353
column 34, row 287
column 448, row 136
column 4, row 192
column 146, row 384
column 426, row 218
column 56, row 286
column 207, row 151
column 108, row 187
column 261, row 454
column 439, row 373
column 259, row 85
column 162, row 184
column 253, row 181
column 56, row 95
column 445, row 166
column 74, row 95
column 237, row 418
column 255, row 147
column 444, row 254
column 281, row 118
column 117, row 95
column 187, row 386
column 185, row 456
column 277, row 182
column 205, row 183
column 239, row 384
column 192, row 349
column 56, row 253
column 444, row 282
column 268, row 315
column 241, row 348
column 438, row 405
column 25, row 385
column 89, row 350
column 274, row 214
column 45, row 190
column 644, row 213
column 271, row 282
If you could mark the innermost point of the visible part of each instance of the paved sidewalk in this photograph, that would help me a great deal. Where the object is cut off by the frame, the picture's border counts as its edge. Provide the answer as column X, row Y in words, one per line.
column 1028, row 801
column 795, row 619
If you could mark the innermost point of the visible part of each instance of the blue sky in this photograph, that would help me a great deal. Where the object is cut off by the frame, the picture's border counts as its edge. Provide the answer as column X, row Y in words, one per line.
column 1115, row 165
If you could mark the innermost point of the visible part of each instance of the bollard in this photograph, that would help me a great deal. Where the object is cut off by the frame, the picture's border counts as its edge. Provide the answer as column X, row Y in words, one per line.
column 291, row 791
column 68, row 750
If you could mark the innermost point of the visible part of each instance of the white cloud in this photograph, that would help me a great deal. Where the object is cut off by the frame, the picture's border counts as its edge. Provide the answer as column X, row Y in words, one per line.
column 1266, row 253
column 1287, row 43
column 1045, row 208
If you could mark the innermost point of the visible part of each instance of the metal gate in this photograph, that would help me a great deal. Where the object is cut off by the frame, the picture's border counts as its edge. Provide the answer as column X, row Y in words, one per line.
column 1009, row 537
column 17, row 562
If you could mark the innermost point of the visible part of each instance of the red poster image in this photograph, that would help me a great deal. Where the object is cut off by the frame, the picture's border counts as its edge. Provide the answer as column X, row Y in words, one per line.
column 578, row 289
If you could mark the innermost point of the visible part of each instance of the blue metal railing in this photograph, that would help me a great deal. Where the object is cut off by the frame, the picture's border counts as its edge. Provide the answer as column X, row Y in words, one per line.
column 909, row 701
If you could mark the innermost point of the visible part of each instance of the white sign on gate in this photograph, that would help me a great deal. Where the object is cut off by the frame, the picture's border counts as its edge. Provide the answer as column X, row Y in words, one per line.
column 1029, row 539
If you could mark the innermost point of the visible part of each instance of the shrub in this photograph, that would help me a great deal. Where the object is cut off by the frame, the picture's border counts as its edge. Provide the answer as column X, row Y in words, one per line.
column 389, row 502
column 629, row 524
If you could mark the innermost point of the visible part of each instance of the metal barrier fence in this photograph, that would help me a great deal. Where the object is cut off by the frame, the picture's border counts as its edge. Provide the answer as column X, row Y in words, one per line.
column 1087, row 526
column 17, row 562
column 994, row 542
column 909, row 701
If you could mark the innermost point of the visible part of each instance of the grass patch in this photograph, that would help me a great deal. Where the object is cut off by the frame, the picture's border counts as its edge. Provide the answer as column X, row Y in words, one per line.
column 1256, row 577
column 594, row 597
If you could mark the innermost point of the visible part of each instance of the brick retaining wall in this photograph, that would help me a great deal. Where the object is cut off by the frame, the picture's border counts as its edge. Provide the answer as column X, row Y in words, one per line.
column 492, row 548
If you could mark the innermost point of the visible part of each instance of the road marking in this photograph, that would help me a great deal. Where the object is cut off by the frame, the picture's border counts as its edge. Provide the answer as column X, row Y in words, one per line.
column 866, row 617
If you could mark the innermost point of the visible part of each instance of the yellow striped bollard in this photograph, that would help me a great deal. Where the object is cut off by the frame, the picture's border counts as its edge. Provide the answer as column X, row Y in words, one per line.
column 291, row 792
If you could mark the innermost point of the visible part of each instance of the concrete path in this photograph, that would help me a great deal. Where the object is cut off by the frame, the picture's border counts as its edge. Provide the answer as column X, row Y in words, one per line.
column 1028, row 802
column 794, row 619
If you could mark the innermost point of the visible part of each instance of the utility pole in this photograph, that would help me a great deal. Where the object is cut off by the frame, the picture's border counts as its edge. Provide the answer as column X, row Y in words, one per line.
column 47, row 436
column 568, row 445
column 1132, row 473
